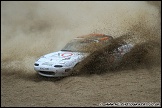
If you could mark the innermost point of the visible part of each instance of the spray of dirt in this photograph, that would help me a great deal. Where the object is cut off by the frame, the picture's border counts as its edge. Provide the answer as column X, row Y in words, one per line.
column 142, row 55
column 32, row 29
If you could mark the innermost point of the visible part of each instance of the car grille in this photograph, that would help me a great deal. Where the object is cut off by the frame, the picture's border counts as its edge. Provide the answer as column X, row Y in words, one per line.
column 58, row 66
column 47, row 72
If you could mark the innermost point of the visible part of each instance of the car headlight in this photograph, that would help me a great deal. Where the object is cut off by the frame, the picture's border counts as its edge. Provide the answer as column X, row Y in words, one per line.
column 36, row 64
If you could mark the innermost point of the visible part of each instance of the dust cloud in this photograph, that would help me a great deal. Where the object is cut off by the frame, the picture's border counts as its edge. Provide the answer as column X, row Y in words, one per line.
column 32, row 29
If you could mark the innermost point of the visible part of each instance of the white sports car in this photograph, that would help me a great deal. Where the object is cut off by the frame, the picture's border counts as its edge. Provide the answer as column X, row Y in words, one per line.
column 58, row 64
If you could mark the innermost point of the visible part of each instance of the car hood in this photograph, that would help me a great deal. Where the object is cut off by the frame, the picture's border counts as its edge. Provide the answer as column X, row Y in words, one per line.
column 62, row 57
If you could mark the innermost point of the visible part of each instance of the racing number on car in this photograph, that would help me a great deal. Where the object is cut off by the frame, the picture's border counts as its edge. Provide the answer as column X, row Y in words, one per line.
column 66, row 54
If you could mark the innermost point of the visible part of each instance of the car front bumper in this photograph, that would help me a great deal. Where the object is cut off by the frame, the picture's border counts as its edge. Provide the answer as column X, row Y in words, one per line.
column 52, row 72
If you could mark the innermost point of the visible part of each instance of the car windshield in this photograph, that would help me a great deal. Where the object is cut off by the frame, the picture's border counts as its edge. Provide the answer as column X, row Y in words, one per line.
column 82, row 45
